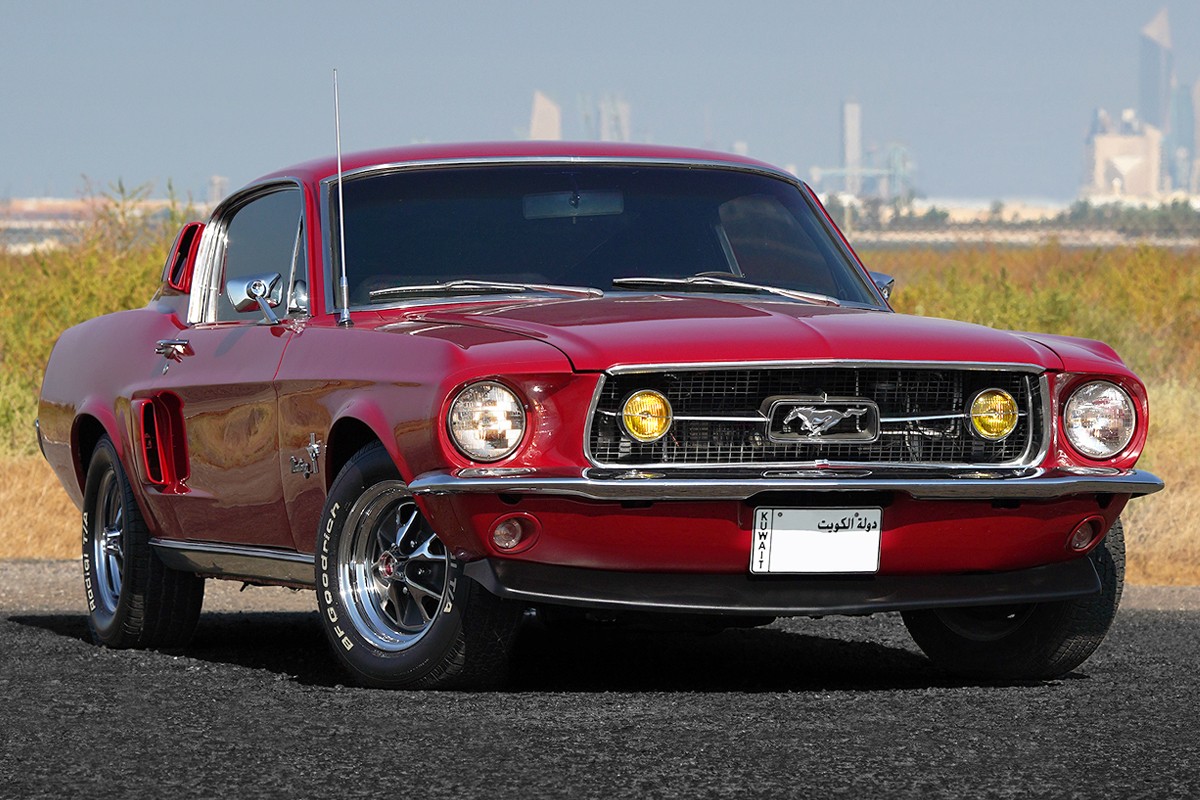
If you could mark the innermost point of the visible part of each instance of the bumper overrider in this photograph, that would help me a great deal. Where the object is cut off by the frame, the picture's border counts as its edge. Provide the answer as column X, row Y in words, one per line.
column 783, row 595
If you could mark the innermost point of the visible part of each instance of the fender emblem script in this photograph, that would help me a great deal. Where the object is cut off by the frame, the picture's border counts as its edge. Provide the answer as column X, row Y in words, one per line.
column 821, row 419
column 313, row 451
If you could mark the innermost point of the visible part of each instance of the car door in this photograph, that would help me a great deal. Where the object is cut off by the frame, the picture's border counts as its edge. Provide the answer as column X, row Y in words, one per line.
column 221, row 370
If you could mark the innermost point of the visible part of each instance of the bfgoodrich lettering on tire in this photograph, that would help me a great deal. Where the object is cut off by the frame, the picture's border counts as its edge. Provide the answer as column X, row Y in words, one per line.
column 395, row 604
column 1026, row 642
column 133, row 599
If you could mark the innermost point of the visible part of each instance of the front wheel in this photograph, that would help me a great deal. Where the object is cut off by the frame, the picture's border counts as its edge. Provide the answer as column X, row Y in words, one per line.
column 1026, row 642
column 394, row 602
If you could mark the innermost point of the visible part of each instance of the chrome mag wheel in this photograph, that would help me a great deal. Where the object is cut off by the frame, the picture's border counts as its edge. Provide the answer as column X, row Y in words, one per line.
column 108, row 548
column 394, row 569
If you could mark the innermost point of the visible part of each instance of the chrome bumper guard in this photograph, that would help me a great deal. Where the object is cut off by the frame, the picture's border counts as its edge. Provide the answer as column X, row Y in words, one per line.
column 610, row 485
column 778, row 595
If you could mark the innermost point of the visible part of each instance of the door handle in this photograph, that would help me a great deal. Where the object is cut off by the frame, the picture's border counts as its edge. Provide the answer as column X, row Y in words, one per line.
column 171, row 348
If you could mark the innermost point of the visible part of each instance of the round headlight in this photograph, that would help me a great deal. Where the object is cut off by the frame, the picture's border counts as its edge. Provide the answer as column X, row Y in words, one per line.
column 1099, row 419
column 486, row 421
column 646, row 416
column 994, row 414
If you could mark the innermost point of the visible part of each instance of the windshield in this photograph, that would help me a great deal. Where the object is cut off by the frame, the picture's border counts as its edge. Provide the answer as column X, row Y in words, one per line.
column 583, row 225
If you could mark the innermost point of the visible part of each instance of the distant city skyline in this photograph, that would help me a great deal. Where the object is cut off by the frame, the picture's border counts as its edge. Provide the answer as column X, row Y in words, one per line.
column 991, row 100
column 1149, row 152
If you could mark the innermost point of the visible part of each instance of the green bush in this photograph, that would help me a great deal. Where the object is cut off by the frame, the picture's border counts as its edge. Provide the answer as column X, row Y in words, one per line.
column 115, row 264
column 1143, row 301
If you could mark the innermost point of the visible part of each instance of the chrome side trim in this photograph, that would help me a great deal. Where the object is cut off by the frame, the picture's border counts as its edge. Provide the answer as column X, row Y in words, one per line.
column 1033, row 484
column 234, row 562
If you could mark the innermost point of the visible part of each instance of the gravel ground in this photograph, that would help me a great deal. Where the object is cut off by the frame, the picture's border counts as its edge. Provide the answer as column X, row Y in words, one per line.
column 835, row 707
column 49, row 586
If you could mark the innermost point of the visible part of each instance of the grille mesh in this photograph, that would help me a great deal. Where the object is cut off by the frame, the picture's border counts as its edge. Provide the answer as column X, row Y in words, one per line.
column 899, row 392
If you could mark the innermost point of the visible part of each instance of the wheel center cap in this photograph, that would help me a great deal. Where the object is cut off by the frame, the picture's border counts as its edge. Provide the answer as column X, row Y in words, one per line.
column 387, row 565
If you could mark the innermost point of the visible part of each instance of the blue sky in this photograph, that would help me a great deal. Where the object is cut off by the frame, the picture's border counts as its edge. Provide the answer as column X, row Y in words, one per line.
column 992, row 99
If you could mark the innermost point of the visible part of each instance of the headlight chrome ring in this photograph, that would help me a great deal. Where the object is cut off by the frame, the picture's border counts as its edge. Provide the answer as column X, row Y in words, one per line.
column 486, row 421
column 1099, row 419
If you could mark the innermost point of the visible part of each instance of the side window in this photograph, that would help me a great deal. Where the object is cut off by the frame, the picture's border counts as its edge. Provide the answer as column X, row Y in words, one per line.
column 263, row 237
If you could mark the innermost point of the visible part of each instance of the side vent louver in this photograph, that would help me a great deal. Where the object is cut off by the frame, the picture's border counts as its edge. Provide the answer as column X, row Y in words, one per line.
column 161, row 440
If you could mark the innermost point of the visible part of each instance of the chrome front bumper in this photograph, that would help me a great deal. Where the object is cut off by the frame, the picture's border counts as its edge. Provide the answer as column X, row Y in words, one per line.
column 589, row 484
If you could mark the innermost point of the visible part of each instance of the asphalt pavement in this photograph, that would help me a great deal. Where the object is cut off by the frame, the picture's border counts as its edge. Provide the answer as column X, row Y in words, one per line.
column 255, row 707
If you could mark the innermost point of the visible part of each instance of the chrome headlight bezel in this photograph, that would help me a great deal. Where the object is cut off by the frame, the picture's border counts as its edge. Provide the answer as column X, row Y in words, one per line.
column 1099, row 419
column 486, row 421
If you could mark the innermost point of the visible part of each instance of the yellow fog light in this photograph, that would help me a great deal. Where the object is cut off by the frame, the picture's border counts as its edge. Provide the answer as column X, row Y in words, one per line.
column 994, row 414
column 646, row 416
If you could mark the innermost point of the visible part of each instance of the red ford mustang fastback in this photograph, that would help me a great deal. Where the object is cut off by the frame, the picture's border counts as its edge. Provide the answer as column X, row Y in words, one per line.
column 595, row 381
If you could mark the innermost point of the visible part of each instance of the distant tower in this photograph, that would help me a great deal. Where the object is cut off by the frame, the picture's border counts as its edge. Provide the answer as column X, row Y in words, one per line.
column 1193, row 186
column 218, row 187
column 1156, row 73
column 546, row 120
column 852, row 146
column 1180, row 143
column 614, row 119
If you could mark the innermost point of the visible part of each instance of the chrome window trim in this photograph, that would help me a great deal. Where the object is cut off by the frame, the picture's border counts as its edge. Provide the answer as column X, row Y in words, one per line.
column 1026, row 460
column 202, row 304
column 329, row 251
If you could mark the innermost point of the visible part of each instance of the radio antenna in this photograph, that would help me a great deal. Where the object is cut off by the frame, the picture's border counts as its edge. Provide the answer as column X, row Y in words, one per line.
column 343, row 284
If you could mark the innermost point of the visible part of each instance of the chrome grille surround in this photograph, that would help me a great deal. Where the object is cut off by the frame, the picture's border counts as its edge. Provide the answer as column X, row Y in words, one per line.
column 719, row 420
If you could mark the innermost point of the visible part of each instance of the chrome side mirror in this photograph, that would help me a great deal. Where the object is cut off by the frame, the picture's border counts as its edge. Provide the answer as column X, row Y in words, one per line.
column 264, row 291
column 885, row 282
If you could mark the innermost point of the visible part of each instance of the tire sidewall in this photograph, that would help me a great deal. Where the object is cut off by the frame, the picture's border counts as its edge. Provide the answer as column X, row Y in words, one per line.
column 368, row 664
column 1054, row 639
column 107, row 625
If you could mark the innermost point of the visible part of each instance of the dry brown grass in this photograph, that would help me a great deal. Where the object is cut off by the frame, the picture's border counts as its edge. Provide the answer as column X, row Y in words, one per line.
column 37, row 519
column 1161, row 537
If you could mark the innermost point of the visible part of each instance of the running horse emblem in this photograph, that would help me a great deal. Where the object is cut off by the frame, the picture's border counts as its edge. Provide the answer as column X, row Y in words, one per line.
column 820, row 421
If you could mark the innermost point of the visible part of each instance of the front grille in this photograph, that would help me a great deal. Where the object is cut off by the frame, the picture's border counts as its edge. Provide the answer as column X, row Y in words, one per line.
column 733, row 430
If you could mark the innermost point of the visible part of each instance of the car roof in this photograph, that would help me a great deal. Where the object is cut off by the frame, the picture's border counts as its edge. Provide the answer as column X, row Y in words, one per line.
column 322, row 168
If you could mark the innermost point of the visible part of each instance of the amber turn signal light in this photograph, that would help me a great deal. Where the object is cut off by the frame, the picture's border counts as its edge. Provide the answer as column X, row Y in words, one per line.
column 994, row 414
column 646, row 416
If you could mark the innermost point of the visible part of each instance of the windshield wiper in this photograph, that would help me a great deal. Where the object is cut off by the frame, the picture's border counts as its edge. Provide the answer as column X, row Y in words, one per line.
column 470, row 285
column 711, row 281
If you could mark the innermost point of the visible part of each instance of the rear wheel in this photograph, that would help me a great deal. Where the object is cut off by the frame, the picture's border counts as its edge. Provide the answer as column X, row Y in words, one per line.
column 134, row 600
column 394, row 602
column 1026, row 642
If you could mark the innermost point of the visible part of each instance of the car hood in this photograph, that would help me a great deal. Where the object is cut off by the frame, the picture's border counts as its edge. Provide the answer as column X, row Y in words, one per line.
column 600, row 333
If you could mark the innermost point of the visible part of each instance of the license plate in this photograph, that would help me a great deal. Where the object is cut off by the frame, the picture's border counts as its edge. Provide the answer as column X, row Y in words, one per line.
column 816, row 540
